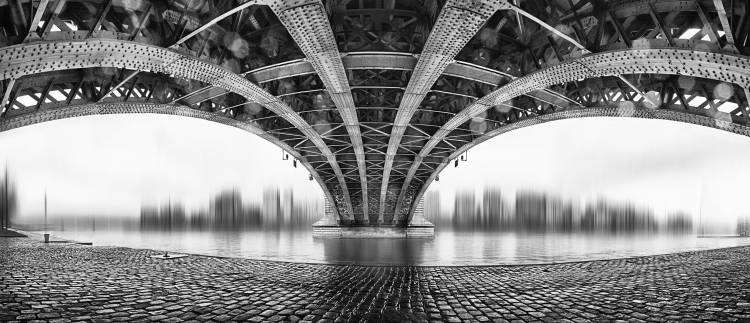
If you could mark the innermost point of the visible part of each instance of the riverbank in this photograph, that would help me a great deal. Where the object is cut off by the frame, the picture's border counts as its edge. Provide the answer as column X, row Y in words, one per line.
column 69, row 282
column 10, row 234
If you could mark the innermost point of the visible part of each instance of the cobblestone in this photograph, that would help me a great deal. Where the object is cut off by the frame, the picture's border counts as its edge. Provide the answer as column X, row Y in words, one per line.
column 68, row 283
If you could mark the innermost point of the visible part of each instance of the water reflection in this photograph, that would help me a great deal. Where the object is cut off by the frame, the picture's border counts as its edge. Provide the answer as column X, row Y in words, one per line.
column 448, row 247
column 535, row 228
column 376, row 251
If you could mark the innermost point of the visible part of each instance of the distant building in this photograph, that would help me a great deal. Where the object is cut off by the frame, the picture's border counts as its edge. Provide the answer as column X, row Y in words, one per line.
column 226, row 209
column 149, row 218
column 432, row 207
column 743, row 226
column 559, row 215
column 271, row 207
column 287, row 207
column 464, row 210
column 679, row 222
column 494, row 214
column 531, row 210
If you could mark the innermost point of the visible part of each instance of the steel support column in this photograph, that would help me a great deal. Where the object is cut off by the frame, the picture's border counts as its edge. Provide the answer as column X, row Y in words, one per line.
column 308, row 25
column 458, row 22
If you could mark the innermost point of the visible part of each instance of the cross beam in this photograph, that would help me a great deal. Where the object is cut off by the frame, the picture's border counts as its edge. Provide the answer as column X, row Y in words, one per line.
column 33, row 58
column 727, row 67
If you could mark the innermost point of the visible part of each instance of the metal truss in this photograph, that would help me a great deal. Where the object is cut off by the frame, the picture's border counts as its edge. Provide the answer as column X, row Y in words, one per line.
column 725, row 67
column 376, row 97
column 574, row 48
column 457, row 23
column 308, row 24
column 33, row 58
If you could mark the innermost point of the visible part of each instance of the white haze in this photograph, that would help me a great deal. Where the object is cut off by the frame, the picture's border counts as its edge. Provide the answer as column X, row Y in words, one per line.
column 109, row 164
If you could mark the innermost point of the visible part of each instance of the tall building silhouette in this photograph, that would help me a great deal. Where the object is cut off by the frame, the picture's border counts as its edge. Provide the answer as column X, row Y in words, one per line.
column 432, row 207
column 531, row 210
column 559, row 215
column 287, row 207
column 226, row 208
column 494, row 214
column 464, row 210
column 271, row 207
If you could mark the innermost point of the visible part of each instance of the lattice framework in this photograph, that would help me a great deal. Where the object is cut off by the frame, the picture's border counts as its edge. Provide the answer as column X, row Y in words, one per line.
column 376, row 97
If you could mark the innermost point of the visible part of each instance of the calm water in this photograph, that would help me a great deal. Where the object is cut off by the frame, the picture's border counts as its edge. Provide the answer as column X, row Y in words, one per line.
column 446, row 248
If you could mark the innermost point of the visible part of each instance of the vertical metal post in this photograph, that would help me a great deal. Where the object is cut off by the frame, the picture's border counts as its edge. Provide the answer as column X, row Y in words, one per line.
column 45, row 209
column 46, row 228
column 6, row 209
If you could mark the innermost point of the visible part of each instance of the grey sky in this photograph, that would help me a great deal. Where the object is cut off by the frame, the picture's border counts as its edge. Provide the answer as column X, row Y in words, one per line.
column 108, row 164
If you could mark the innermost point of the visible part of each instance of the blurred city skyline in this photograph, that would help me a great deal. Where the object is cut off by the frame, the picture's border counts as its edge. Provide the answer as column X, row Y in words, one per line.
column 492, row 211
column 88, row 165
column 535, row 211
column 228, row 211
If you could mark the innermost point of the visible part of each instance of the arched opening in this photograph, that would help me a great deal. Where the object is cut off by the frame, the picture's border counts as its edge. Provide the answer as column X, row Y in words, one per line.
column 155, row 171
column 560, row 182
column 88, row 164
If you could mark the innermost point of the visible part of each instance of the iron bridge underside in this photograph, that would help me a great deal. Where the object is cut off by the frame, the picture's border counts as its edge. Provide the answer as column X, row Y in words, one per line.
column 376, row 97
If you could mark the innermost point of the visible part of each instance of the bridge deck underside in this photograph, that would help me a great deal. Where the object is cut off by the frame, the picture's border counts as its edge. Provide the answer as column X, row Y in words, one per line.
column 375, row 98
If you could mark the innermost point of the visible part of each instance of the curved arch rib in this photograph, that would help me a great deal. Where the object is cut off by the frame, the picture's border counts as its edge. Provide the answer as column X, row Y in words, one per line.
column 725, row 67
column 152, row 108
column 308, row 24
column 457, row 23
column 32, row 58
column 588, row 113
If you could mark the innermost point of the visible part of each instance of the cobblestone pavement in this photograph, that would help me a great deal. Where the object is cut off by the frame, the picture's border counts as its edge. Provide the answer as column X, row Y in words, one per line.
column 67, row 282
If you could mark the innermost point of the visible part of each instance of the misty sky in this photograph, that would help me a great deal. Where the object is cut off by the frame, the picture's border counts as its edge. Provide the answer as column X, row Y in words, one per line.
column 109, row 164
column 663, row 164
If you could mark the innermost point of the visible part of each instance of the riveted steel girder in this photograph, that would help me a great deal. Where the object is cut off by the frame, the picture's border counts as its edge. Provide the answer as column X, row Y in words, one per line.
column 308, row 24
column 458, row 22
column 725, row 67
column 32, row 58
column 407, row 111
column 400, row 61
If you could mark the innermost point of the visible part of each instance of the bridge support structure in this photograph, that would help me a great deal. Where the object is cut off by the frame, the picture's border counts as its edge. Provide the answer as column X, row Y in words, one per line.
column 329, row 227
column 373, row 112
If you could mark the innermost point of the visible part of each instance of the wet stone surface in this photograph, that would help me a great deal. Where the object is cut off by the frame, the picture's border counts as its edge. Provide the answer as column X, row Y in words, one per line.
column 68, row 283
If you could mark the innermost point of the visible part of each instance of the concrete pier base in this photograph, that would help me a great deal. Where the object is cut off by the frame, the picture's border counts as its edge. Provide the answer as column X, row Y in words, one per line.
column 321, row 231
column 329, row 227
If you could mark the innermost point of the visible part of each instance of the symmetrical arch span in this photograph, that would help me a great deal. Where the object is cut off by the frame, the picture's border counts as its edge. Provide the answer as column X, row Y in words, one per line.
column 34, row 58
column 591, row 112
column 377, row 95
column 725, row 67
column 150, row 108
